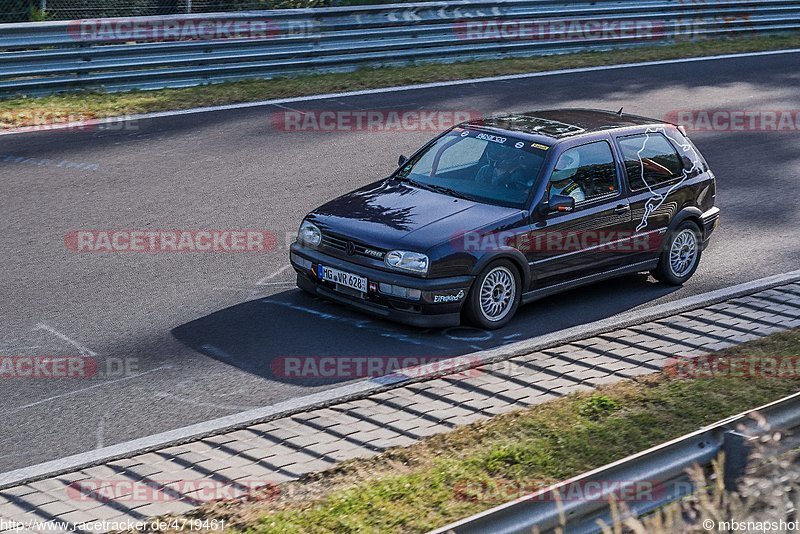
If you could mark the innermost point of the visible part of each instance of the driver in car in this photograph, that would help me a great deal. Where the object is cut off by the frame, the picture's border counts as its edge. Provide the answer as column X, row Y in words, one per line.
column 562, row 181
column 503, row 167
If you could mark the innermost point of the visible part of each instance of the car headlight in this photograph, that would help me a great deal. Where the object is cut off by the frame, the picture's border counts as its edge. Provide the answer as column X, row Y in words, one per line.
column 309, row 234
column 407, row 261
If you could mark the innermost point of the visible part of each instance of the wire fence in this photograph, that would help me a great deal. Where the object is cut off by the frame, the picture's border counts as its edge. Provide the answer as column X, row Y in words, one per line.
column 41, row 10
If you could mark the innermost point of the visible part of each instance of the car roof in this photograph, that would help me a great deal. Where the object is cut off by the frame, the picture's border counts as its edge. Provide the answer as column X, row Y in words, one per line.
column 555, row 124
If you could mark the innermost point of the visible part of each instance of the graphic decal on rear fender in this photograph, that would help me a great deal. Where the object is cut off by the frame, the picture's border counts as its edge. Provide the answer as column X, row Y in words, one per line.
column 658, row 199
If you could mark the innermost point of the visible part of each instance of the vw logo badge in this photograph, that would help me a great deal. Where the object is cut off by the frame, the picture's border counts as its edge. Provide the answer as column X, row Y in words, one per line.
column 350, row 248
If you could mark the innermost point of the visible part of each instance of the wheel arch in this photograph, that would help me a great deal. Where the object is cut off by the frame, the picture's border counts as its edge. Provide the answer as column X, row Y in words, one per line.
column 514, row 256
column 689, row 213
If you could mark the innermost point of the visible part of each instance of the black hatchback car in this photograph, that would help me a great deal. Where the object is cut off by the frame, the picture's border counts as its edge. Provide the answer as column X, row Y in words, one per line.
column 505, row 210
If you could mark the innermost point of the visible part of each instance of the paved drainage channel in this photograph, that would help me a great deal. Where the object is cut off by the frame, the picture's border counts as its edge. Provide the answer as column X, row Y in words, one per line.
column 234, row 464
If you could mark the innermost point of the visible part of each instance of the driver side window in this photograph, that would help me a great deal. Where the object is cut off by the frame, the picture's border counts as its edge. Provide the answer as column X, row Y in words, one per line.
column 585, row 172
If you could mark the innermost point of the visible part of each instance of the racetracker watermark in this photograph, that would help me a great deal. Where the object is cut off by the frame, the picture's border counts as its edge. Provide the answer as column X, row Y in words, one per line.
column 747, row 367
column 187, row 29
column 349, row 367
column 59, row 367
column 153, row 241
column 503, row 491
column 736, row 120
column 560, row 30
column 385, row 120
column 192, row 491
column 70, row 121
column 558, row 241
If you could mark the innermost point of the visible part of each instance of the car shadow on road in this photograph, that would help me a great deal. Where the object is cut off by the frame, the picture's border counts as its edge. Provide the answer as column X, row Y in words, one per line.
column 292, row 337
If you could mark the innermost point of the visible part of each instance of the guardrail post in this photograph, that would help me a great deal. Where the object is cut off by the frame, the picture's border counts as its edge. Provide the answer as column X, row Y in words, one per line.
column 737, row 447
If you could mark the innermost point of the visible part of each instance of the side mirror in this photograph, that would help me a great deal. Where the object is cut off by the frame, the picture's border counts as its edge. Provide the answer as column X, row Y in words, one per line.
column 401, row 160
column 561, row 203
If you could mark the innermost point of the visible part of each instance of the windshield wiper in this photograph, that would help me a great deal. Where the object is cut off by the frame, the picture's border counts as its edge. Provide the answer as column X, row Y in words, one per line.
column 442, row 189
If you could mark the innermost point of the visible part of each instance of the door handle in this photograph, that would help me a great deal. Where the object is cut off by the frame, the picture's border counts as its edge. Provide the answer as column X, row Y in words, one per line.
column 622, row 209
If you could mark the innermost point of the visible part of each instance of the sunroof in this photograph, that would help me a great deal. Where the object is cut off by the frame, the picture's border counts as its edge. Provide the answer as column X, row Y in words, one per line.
column 538, row 125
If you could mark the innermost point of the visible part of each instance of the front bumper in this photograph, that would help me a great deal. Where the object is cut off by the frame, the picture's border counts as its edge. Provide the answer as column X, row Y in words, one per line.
column 440, row 299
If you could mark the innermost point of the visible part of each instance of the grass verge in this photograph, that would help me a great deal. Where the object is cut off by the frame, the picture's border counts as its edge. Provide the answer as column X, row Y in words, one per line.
column 431, row 483
column 24, row 111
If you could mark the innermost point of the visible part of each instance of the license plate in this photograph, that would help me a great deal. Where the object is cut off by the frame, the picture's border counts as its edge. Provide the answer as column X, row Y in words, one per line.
column 329, row 274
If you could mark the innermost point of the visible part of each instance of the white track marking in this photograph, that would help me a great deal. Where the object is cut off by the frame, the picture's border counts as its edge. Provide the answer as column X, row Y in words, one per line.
column 358, row 323
column 262, row 284
column 223, row 288
column 76, row 391
column 433, row 85
column 471, row 334
column 291, row 109
column 101, row 430
column 84, row 351
column 263, row 281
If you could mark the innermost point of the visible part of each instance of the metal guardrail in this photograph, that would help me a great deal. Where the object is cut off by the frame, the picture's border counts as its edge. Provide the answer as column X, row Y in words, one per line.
column 186, row 50
column 664, row 466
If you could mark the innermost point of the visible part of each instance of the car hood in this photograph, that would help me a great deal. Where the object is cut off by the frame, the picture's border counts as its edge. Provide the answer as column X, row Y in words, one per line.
column 393, row 214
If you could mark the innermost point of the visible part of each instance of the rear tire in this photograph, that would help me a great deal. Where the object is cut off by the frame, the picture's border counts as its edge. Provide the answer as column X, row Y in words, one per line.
column 681, row 255
column 494, row 297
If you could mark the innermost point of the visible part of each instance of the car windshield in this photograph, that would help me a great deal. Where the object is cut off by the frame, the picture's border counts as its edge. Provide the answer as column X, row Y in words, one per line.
column 478, row 166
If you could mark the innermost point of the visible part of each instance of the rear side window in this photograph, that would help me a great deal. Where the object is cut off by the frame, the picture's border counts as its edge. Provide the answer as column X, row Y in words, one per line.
column 650, row 160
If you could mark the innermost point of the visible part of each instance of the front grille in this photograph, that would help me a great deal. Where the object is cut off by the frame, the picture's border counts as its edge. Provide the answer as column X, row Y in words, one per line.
column 340, row 244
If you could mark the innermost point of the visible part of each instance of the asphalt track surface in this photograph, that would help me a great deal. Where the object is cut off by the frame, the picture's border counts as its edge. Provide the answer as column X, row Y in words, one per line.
column 200, row 332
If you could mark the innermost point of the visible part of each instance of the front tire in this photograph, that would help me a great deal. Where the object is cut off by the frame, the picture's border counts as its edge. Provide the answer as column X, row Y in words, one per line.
column 681, row 255
column 494, row 297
